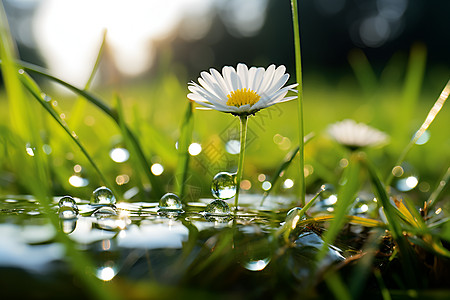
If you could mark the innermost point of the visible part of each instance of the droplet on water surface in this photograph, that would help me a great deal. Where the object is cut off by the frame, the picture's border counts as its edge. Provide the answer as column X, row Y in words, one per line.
column 217, row 207
column 67, row 201
column 170, row 202
column 67, row 213
column 68, row 208
column 103, row 196
column 224, row 185
column 105, row 212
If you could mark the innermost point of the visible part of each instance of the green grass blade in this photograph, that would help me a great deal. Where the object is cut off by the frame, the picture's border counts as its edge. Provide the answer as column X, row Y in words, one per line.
column 337, row 286
column 428, row 120
column 127, row 140
column 284, row 166
column 363, row 71
column 79, row 108
column 298, row 68
column 32, row 87
column 411, row 91
column 409, row 263
column 384, row 291
column 364, row 264
column 438, row 190
column 156, row 186
column 346, row 196
column 186, row 129
column 22, row 119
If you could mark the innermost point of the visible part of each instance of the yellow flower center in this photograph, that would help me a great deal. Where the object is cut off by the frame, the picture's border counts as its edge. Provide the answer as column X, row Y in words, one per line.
column 242, row 97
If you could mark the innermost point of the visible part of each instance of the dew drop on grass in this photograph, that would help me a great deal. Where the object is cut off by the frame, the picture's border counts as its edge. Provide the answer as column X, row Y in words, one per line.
column 218, row 207
column 103, row 196
column 224, row 185
column 170, row 202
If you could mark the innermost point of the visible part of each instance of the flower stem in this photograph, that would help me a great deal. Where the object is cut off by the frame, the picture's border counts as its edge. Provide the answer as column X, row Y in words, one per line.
column 243, row 134
column 298, row 65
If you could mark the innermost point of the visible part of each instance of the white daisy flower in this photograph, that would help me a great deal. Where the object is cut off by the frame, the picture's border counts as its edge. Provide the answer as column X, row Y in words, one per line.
column 241, row 92
column 356, row 135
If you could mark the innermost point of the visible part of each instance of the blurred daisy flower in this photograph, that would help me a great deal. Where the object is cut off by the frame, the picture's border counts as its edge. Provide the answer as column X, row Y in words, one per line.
column 243, row 91
column 356, row 135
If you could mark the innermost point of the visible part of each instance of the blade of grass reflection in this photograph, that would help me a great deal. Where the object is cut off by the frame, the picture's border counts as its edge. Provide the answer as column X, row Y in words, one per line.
column 284, row 166
column 156, row 186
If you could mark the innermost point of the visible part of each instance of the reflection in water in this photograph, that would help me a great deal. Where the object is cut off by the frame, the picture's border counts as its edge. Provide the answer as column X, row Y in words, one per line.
column 134, row 241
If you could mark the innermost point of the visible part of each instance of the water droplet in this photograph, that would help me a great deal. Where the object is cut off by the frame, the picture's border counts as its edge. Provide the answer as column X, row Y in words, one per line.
column 293, row 211
column 257, row 265
column 170, row 202
column 68, row 225
column 266, row 185
column 195, row 149
column 119, row 155
column 233, row 146
column 217, row 207
column 397, row 171
column 423, row 139
column 105, row 212
column 67, row 201
column 224, row 185
column 327, row 190
column 67, row 213
column 106, row 273
column 288, row 183
column 78, row 181
column 157, row 169
column 407, row 184
column 30, row 150
column 103, row 196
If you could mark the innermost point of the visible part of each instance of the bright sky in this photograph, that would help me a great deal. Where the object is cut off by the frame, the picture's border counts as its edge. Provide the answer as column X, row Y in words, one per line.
column 69, row 32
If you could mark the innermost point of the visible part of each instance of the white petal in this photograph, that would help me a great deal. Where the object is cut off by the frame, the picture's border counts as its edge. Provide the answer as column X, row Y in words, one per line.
column 278, row 84
column 259, row 76
column 220, row 81
column 211, row 84
column 231, row 78
column 242, row 71
column 267, row 80
column 213, row 99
